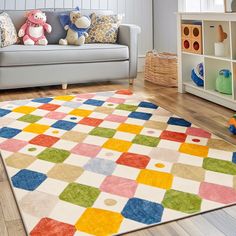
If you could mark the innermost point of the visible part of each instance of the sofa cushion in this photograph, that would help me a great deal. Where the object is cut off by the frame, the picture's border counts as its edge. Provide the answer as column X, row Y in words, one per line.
column 20, row 55
column 57, row 30
column 17, row 18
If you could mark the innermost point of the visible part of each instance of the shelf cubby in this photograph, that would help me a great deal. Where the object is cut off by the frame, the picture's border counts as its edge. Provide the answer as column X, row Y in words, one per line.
column 212, row 69
column 190, row 61
column 233, row 39
column 210, row 37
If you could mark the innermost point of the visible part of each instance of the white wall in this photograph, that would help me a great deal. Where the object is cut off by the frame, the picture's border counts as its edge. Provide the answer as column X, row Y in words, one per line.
column 201, row 5
column 165, row 26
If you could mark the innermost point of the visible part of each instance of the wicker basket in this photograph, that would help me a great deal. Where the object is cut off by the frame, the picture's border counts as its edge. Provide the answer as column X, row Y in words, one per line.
column 161, row 68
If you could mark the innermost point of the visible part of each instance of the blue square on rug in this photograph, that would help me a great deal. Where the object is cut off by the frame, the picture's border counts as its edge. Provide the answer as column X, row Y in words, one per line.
column 28, row 180
column 42, row 100
column 8, row 132
column 100, row 166
column 4, row 112
column 178, row 122
column 148, row 105
column 140, row 115
column 72, row 104
column 93, row 102
column 65, row 125
column 143, row 211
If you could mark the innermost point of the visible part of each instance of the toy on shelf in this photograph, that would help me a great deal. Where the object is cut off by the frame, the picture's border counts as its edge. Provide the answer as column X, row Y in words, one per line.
column 220, row 46
column 224, row 82
column 192, row 38
column 232, row 125
column 198, row 75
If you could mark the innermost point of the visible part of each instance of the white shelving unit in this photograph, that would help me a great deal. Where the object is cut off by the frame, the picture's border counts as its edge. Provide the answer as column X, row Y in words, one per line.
column 212, row 64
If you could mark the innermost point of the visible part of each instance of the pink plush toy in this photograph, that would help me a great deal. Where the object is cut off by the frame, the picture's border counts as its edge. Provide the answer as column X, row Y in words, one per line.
column 33, row 31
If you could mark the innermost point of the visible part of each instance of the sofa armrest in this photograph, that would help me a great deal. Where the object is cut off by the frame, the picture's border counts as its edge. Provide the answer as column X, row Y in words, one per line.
column 128, row 35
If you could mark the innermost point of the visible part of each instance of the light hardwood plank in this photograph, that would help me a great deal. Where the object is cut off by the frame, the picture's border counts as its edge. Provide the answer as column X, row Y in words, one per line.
column 3, row 228
column 203, row 226
column 222, row 221
column 231, row 211
column 15, row 228
column 190, row 227
column 7, row 202
column 3, row 175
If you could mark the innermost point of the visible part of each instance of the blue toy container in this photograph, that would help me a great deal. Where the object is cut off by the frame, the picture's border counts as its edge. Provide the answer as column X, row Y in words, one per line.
column 198, row 75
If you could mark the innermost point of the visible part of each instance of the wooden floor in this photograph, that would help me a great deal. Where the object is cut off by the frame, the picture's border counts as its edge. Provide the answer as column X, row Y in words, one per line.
column 202, row 113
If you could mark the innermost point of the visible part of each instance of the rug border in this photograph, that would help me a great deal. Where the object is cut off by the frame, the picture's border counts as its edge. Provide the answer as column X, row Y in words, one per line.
column 131, row 231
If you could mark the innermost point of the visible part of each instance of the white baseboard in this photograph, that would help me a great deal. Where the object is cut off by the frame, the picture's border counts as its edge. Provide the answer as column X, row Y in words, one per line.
column 141, row 63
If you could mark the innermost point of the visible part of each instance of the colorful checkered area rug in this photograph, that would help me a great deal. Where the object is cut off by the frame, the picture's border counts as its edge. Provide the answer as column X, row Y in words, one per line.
column 107, row 163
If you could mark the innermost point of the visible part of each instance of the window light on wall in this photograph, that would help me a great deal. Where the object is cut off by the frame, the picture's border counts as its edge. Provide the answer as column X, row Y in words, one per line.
column 201, row 5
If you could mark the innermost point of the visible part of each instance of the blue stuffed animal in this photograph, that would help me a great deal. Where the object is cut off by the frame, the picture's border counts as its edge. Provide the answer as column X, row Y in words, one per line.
column 76, row 26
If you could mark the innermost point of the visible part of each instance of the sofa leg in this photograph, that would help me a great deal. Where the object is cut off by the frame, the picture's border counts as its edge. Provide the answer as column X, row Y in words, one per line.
column 131, row 81
column 64, row 86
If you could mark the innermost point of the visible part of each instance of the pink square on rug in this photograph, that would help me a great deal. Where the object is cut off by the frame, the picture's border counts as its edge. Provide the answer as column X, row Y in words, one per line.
column 198, row 132
column 116, row 100
column 12, row 145
column 217, row 193
column 86, row 96
column 116, row 118
column 119, row 186
column 88, row 150
column 56, row 115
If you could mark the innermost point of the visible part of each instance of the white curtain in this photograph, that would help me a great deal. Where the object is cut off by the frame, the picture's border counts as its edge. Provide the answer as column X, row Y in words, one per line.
column 201, row 5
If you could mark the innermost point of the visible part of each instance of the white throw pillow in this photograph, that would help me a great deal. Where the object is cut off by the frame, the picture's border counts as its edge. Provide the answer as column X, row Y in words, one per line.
column 7, row 31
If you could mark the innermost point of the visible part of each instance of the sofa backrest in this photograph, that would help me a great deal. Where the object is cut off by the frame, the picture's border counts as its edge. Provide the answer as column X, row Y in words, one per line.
column 53, row 19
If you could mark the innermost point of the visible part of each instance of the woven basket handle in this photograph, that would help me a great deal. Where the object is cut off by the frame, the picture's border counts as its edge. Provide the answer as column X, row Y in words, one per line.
column 163, row 55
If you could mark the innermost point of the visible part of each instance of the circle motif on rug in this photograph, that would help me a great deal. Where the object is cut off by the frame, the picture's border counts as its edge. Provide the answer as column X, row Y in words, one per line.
column 32, row 149
column 160, row 165
column 195, row 140
column 55, row 132
column 73, row 118
column 110, row 202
